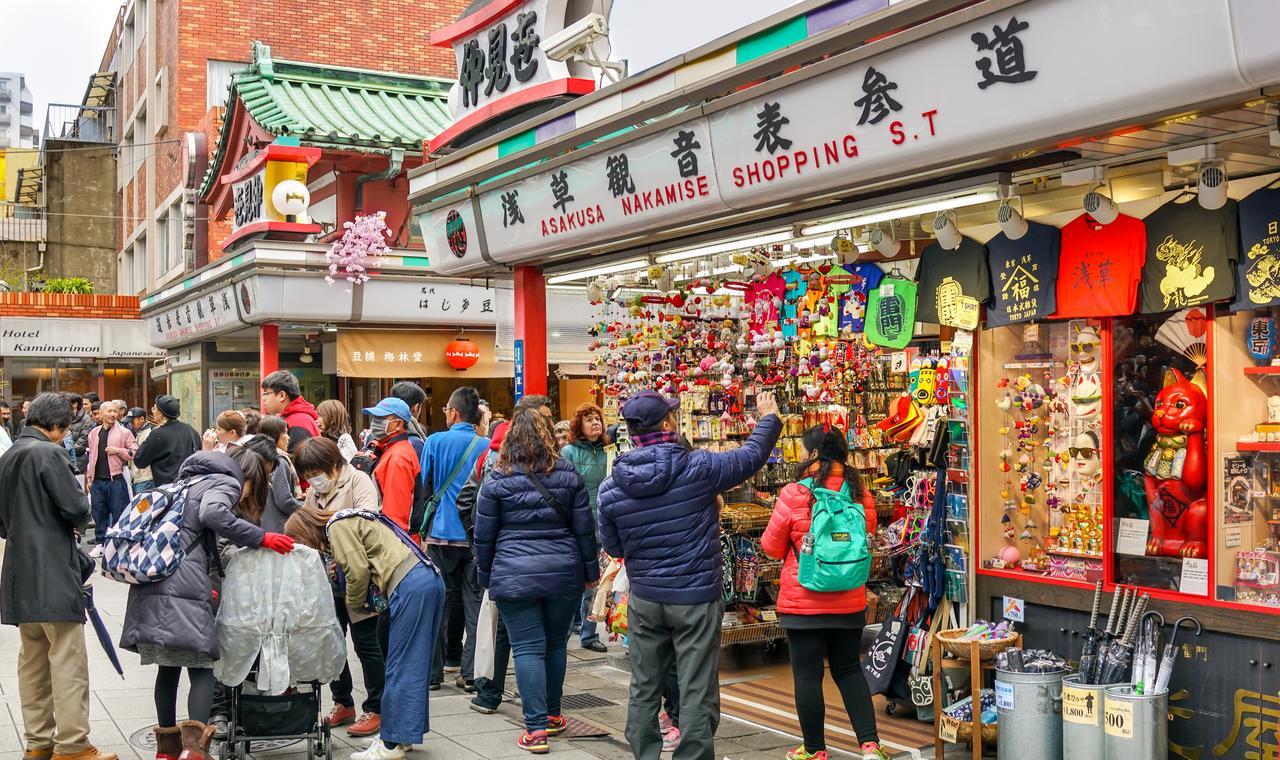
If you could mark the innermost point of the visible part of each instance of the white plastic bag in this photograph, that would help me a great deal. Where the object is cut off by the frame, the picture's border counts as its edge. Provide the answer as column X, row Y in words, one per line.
column 279, row 606
column 486, row 637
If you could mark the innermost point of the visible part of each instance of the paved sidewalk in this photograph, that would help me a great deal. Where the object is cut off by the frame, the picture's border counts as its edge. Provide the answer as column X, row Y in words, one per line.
column 123, row 707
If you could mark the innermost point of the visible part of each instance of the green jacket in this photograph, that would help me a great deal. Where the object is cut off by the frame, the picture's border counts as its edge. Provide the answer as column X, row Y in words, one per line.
column 591, row 463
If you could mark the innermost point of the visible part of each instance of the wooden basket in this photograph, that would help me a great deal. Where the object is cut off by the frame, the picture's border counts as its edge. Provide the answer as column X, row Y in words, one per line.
column 740, row 517
column 962, row 648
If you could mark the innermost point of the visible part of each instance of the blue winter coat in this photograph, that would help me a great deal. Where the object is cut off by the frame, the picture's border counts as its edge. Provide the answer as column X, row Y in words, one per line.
column 524, row 550
column 658, row 512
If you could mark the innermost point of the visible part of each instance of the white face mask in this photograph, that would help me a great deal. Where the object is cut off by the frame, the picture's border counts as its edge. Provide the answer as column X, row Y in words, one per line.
column 321, row 483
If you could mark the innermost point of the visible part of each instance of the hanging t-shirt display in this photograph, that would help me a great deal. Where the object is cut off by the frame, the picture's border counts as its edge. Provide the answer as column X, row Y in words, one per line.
column 1190, row 254
column 1024, row 274
column 853, row 304
column 891, row 313
column 838, row 281
column 797, row 287
column 1100, row 267
column 950, row 282
column 763, row 296
column 1258, row 268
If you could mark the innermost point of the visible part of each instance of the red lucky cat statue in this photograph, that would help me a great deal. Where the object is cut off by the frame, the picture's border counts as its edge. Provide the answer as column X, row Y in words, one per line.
column 1176, row 469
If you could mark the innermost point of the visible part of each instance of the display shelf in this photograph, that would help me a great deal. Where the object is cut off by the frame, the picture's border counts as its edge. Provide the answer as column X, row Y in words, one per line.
column 1258, row 445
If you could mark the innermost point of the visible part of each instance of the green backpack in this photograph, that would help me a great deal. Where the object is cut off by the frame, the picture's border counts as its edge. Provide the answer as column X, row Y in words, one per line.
column 834, row 555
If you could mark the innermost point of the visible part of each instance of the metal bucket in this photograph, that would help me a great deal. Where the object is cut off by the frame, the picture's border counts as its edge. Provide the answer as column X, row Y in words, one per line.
column 1030, row 710
column 1082, row 704
column 1136, row 726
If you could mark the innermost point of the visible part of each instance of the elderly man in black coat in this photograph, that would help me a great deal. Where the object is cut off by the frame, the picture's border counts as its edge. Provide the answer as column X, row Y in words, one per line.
column 41, row 508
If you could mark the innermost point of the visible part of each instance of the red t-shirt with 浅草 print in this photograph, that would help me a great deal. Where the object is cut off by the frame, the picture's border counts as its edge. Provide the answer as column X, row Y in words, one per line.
column 1100, row 267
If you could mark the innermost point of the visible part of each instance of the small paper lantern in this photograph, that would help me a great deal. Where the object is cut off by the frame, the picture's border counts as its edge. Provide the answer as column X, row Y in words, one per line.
column 461, row 354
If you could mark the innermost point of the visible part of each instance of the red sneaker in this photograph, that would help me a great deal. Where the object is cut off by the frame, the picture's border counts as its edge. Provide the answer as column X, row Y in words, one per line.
column 556, row 724
column 368, row 725
column 535, row 742
column 341, row 715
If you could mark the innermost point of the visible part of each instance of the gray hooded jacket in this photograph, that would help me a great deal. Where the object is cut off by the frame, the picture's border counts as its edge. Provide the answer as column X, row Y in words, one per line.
column 178, row 612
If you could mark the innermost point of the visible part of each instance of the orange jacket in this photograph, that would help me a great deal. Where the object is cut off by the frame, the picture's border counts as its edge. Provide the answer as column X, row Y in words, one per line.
column 397, row 478
column 781, row 540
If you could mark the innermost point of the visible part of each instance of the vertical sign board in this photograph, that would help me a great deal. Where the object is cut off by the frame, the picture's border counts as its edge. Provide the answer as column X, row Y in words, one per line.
column 519, row 376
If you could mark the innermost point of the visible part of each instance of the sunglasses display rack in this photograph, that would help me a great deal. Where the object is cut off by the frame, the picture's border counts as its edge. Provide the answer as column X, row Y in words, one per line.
column 1048, row 399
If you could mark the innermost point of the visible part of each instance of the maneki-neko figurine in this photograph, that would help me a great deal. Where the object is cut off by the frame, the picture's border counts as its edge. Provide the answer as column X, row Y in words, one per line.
column 1176, row 468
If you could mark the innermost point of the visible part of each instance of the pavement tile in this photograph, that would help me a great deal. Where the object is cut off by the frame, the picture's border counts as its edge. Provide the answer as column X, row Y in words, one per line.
column 765, row 740
column 469, row 725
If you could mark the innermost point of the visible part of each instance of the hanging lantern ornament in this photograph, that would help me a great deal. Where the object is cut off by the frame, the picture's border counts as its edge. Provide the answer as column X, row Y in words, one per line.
column 461, row 353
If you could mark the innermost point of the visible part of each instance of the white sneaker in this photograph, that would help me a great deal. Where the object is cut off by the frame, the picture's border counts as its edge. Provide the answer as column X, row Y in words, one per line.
column 96, row 552
column 378, row 751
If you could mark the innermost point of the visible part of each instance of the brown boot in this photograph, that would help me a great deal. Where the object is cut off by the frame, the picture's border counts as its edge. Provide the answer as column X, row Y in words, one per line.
column 168, row 742
column 195, row 740
column 88, row 753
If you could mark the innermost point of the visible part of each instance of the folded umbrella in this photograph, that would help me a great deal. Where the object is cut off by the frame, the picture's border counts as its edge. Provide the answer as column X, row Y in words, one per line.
column 100, row 628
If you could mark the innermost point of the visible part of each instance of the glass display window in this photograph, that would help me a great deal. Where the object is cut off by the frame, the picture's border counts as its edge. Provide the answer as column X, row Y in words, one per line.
column 1043, row 433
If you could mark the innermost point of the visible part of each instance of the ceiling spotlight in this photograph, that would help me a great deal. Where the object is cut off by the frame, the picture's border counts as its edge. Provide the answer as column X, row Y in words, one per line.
column 1011, row 221
column 946, row 231
column 884, row 242
column 1211, row 184
column 1100, row 207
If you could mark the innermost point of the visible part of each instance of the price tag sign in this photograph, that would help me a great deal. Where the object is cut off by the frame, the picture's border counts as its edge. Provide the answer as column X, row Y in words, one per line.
column 1080, row 706
column 1004, row 696
column 1118, row 718
column 1132, row 537
column 947, row 729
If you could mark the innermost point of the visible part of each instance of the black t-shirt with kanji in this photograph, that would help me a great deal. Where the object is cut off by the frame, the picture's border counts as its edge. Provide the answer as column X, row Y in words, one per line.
column 1191, row 254
column 945, row 276
column 1024, row 275
column 1258, row 268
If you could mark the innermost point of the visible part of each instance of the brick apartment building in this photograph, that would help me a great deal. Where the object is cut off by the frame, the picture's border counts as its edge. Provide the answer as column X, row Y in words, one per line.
column 175, row 60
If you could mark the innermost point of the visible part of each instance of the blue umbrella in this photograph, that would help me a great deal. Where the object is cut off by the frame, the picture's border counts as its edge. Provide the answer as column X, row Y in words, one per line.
column 100, row 628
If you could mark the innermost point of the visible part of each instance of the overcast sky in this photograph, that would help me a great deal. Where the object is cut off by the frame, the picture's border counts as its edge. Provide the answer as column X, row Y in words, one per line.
column 58, row 44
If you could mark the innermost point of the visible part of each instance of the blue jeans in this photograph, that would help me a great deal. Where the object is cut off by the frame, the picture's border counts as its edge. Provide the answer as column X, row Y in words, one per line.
column 590, row 631
column 416, row 607
column 108, row 499
column 539, row 632
column 143, row 485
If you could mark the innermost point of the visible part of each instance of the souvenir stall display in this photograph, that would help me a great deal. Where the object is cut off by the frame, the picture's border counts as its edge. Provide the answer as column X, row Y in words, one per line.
column 803, row 330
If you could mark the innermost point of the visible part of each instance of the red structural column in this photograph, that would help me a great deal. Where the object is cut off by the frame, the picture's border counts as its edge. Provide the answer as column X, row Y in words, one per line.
column 268, row 349
column 531, row 327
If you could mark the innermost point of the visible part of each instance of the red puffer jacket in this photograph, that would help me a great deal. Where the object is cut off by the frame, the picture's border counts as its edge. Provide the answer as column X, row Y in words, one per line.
column 781, row 540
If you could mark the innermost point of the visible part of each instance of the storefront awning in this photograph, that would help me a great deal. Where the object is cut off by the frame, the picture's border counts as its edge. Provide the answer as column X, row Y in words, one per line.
column 76, row 338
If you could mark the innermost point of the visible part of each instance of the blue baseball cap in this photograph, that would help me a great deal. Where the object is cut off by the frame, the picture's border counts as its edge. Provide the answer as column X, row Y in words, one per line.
column 390, row 407
column 648, row 408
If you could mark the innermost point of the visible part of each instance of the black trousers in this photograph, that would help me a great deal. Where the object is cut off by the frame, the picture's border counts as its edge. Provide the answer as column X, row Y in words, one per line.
column 810, row 650
column 364, row 635
column 458, row 569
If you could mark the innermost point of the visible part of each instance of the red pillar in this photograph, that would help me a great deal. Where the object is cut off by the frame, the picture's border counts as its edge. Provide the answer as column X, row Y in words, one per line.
column 268, row 349
column 531, row 327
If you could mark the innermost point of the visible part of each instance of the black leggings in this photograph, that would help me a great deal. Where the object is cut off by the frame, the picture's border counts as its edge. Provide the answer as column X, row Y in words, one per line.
column 839, row 647
column 199, row 699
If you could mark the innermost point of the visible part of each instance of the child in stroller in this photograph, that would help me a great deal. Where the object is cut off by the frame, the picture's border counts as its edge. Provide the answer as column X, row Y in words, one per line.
column 280, row 641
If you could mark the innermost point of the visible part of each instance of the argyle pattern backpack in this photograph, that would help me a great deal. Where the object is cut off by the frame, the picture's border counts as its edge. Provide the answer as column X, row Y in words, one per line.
column 145, row 544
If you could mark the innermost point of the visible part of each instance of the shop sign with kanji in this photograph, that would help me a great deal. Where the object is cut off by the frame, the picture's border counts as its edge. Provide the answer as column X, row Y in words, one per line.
column 658, row 179
column 201, row 317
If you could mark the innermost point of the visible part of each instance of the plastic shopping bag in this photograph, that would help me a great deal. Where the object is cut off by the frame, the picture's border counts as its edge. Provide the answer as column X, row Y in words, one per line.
column 604, row 591
column 486, row 637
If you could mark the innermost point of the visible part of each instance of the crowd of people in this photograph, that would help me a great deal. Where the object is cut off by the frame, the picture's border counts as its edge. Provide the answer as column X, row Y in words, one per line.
column 419, row 531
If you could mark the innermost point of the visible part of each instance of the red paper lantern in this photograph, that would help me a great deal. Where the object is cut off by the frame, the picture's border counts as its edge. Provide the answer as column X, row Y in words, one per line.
column 461, row 354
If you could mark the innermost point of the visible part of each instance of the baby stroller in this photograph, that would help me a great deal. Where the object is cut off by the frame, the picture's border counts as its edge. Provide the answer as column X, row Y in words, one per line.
column 294, row 715
column 280, row 642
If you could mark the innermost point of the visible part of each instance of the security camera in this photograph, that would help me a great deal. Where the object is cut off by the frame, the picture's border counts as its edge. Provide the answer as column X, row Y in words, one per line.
column 883, row 241
column 946, row 231
column 574, row 39
column 1010, row 221
column 1100, row 207
column 1211, row 184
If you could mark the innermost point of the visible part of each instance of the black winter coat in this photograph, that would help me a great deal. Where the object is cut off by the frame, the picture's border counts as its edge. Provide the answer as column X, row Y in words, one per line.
column 41, row 505
column 166, row 449
column 178, row 612
column 524, row 549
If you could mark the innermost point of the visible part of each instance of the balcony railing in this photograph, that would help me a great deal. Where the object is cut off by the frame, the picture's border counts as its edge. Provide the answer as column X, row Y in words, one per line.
column 21, row 223
column 82, row 123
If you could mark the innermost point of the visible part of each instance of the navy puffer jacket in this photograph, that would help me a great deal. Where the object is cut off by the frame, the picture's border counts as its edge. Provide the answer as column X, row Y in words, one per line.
column 524, row 550
column 658, row 513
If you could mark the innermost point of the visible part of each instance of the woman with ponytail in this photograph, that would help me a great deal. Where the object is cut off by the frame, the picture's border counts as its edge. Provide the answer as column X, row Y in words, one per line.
column 822, row 626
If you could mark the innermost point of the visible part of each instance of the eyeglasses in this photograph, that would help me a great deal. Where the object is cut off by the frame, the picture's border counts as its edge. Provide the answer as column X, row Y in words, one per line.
column 1083, row 348
column 1078, row 453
